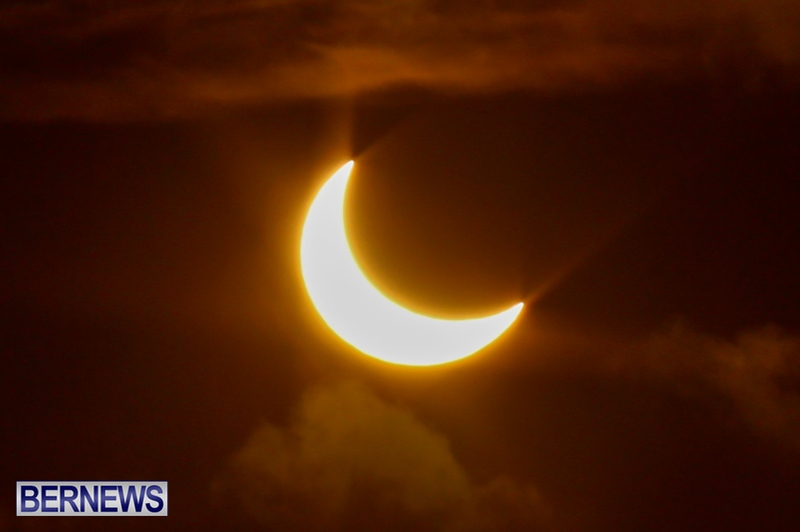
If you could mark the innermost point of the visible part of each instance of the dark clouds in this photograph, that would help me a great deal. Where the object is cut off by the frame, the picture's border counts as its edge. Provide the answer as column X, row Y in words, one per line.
column 758, row 373
column 139, row 60
column 351, row 461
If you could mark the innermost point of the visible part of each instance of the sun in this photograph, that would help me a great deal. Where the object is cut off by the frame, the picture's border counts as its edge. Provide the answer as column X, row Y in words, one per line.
column 364, row 317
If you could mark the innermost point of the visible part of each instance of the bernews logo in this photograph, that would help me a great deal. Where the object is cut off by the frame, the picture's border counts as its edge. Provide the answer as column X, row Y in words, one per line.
column 92, row 498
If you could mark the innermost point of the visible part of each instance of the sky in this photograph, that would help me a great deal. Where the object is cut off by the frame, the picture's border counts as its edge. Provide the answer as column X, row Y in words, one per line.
column 627, row 169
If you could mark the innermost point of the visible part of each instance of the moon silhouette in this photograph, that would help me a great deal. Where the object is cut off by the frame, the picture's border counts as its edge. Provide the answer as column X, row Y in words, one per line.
column 360, row 314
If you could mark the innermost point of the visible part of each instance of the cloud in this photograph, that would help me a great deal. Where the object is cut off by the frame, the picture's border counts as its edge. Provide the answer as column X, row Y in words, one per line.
column 155, row 58
column 351, row 461
column 758, row 373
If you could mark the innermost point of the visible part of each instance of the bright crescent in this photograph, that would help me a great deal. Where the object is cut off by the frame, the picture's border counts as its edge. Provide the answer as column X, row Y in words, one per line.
column 360, row 314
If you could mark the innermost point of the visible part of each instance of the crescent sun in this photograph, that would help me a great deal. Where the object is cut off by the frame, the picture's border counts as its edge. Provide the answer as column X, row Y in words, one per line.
column 360, row 314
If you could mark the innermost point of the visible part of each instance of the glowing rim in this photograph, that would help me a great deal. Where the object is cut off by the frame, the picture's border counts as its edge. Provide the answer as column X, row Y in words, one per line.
column 360, row 314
